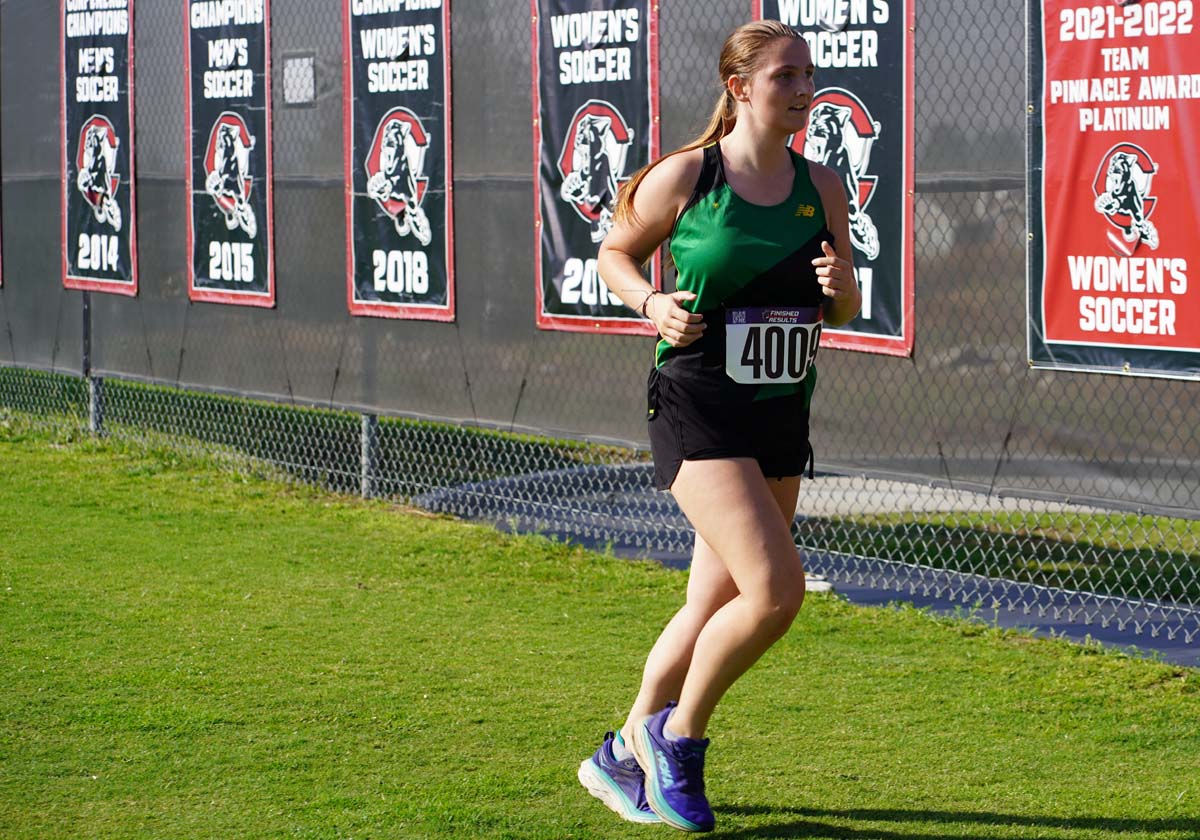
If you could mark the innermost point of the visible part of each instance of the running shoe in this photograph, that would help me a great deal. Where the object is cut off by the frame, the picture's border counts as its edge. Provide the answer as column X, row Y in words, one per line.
column 674, row 774
column 621, row 785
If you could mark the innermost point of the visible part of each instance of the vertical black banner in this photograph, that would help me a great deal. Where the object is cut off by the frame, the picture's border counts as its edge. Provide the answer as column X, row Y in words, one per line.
column 861, row 125
column 399, row 190
column 227, row 60
column 99, row 221
column 595, row 118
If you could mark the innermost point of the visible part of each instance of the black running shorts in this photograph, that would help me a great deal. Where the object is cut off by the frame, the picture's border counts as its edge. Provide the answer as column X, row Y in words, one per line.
column 695, row 413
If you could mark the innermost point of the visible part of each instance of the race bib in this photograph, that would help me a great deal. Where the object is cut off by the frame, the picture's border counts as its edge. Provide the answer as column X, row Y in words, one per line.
column 771, row 345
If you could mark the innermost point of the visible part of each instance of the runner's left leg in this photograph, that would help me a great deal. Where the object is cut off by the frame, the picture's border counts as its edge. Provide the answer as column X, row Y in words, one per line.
column 710, row 587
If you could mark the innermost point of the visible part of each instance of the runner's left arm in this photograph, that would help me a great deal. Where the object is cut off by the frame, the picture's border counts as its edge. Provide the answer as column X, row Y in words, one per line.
column 835, row 270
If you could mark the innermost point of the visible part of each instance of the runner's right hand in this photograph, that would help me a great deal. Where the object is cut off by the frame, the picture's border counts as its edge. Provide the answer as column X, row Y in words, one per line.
column 676, row 325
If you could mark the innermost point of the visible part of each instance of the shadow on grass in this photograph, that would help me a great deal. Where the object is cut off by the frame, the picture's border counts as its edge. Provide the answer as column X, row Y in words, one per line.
column 807, row 822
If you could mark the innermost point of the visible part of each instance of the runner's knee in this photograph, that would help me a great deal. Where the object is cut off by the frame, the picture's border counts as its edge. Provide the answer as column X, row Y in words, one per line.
column 704, row 605
column 779, row 609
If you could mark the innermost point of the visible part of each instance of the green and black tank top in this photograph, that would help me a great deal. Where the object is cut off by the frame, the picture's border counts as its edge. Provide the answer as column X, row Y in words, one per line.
column 731, row 254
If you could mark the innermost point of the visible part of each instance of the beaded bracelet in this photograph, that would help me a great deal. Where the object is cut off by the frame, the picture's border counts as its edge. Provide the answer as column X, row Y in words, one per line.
column 646, row 300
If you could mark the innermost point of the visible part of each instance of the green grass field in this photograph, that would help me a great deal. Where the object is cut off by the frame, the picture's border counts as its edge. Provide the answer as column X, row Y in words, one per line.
column 189, row 653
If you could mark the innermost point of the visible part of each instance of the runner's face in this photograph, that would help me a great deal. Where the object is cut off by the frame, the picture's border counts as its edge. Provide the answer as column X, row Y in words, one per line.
column 781, row 89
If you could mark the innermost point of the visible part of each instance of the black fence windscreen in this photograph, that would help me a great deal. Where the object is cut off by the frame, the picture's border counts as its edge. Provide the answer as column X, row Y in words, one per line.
column 964, row 413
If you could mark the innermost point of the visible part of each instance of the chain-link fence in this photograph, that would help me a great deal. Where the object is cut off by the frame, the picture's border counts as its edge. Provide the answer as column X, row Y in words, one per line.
column 960, row 471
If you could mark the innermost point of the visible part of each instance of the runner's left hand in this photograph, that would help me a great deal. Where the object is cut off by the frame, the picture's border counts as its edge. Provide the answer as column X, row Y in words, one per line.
column 835, row 274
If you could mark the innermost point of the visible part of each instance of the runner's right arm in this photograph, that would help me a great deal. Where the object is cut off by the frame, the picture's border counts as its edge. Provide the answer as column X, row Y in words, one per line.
column 632, row 241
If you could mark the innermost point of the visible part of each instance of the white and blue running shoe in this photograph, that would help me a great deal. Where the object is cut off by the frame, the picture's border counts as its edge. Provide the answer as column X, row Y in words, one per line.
column 621, row 785
column 674, row 774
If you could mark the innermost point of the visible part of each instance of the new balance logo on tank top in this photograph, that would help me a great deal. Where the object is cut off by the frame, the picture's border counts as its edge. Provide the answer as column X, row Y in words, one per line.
column 733, row 254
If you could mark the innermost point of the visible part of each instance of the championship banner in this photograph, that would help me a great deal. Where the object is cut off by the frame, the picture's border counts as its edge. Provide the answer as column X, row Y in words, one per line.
column 230, row 234
column 99, row 208
column 399, row 188
column 1113, row 209
column 595, row 123
column 861, row 125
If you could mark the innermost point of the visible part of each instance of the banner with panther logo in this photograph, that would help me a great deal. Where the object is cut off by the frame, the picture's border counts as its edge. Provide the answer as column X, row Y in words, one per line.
column 595, row 117
column 230, row 233
column 99, row 208
column 399, row 189
column 1115, row 93
column 861, row 125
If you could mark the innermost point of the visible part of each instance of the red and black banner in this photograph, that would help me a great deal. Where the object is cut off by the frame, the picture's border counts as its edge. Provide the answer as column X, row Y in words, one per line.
column 227, row 60
column 399, row 190
column 99, row 209
column 595, row 117
column 1113, row 205
column 861, row 125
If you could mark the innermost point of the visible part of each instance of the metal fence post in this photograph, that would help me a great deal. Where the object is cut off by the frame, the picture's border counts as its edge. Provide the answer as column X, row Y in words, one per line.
column 95, row 384
column 369, row 459
column 96, row 404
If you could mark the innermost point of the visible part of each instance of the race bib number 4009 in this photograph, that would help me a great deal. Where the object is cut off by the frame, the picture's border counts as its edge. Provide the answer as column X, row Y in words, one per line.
column 771, row 346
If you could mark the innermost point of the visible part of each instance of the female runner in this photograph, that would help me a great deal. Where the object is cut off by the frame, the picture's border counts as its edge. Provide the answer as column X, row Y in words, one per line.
column 760, row 240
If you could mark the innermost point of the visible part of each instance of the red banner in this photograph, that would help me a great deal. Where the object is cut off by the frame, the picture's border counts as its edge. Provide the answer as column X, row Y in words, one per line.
column 1120, row 111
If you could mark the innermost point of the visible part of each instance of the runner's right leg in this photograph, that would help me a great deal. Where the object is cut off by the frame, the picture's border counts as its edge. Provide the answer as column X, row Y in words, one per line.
column 709, row 588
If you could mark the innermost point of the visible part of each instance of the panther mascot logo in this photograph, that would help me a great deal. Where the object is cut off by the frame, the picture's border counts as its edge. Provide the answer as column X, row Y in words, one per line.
column 96, row 159
column 592, row 163
column 1122, row 189
column 394, row 170
column 840, row 134
column 227, row 171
